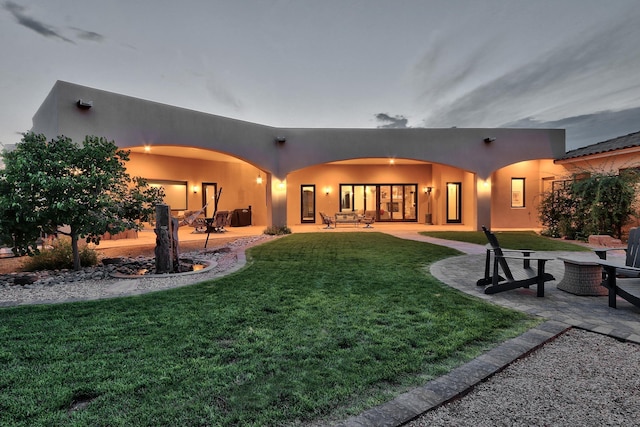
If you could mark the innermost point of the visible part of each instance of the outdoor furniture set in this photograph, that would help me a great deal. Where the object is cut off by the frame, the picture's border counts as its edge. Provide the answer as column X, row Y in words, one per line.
column 582, row 276
column 352, row 218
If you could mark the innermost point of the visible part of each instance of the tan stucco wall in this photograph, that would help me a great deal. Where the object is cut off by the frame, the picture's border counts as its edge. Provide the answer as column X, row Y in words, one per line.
column 503, row 215
column 237, row 180
column 333, row 175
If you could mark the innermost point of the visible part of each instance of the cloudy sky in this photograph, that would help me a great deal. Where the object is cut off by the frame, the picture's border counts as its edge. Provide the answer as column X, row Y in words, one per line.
column 571, row 64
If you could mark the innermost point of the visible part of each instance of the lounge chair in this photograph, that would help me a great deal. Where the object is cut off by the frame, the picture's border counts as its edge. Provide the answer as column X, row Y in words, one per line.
column 217, row 224
column 327, row 220
column 369, row 218
column 503, row 278
column 626, row 288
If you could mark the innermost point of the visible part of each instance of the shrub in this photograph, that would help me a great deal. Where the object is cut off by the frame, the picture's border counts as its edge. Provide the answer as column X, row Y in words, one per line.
column 273, row 230
column 59, row 257
column 596, row 204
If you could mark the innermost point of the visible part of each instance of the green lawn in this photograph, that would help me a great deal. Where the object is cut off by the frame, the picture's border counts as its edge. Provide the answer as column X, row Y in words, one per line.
column 318, row 326
column 509, row 240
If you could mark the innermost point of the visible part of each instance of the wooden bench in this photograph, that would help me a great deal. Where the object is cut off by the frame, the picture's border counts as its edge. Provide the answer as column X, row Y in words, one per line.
column 346, row 218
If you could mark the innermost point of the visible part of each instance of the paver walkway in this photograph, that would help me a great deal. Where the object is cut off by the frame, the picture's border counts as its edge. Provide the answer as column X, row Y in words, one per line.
column 561, row 309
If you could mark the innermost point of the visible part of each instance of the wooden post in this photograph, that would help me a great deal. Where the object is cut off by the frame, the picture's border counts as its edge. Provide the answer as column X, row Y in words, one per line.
column 163, row 250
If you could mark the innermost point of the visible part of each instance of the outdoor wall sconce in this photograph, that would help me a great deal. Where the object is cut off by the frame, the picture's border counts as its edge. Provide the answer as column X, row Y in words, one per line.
column 427, row 190
column 489, row 140
column 195, row 189
column 281, row 139
column 147, row 148
column 327, row 190
column 83, row 104
column 259, row 179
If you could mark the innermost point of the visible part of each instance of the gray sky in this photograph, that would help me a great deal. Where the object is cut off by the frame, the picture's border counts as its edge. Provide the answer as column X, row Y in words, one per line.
column 572, row 64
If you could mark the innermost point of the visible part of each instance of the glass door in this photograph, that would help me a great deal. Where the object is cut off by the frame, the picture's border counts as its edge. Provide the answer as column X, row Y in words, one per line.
column 209, row 191
column 390, row 202
column 454, row 202
column 409, row 199
column 308, row 203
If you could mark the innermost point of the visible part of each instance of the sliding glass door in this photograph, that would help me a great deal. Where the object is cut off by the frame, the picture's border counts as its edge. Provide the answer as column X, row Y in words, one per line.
column 389, row 202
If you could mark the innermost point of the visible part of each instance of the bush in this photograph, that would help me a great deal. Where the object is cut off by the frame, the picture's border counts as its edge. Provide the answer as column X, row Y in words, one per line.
column 273, row 230
column 597, row 204
column 60, row 257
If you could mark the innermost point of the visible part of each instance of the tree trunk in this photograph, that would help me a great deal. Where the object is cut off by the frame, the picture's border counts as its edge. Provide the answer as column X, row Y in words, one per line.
column 74, row 248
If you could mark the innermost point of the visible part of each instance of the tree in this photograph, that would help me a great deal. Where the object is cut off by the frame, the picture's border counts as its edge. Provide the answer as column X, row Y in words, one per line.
column 59, row 187
column 595, row 204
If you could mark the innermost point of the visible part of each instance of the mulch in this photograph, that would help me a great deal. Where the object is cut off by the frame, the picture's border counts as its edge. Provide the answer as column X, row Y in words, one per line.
column 14, row 264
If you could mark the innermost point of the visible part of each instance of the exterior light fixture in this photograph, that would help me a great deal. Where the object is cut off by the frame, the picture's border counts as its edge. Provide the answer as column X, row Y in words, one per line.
column 147, row 148
column 429, row 216
column 327, row 190
column 195, row 189
column 281, row 139
column 489, row 140
column 259, row 179
column 83, row 104
column 392, row 161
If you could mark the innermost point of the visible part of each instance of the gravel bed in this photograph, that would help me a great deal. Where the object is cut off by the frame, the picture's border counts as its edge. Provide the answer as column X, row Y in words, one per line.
column 96, row 283
column 579, row 379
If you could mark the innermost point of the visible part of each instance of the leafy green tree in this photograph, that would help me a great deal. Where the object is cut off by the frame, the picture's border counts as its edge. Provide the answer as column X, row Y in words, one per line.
column 597, row 204
column 57, row 186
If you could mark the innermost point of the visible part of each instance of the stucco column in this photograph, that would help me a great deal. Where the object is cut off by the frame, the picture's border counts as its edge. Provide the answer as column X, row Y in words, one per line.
column 483, row 197
column 278, row 201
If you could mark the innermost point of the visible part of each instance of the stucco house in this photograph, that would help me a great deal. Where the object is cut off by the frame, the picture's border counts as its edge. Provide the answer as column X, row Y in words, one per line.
column 462, row 178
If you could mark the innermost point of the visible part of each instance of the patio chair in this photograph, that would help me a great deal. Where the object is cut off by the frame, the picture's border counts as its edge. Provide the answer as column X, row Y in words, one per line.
column 508, row 280
column 217, row 224
column 627, row 288
column 327, row 220
column 369, row 218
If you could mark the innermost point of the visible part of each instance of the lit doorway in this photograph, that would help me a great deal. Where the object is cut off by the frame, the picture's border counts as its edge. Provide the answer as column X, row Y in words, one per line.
column 454, row 202
column 308, row 206
column 209, row 191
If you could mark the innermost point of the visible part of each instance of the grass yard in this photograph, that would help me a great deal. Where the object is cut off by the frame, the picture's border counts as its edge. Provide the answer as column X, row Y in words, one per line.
column 317, row 327
column 509, row 240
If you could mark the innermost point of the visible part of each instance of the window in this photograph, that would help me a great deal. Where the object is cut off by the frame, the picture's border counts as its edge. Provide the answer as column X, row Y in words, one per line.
column 517, row 192
column 175, row 193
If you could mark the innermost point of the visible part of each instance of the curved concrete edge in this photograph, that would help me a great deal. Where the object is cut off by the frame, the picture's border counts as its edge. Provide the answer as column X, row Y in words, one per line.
column 459, row 381
column 210, row 265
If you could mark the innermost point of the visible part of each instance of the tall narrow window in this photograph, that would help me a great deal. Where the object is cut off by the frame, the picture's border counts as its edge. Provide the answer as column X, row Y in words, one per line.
column 517, row 192
column 308, row 203
column 454, row 202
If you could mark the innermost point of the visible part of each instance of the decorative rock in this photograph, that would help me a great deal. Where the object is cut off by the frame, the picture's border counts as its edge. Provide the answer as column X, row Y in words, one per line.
column 25, row 279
